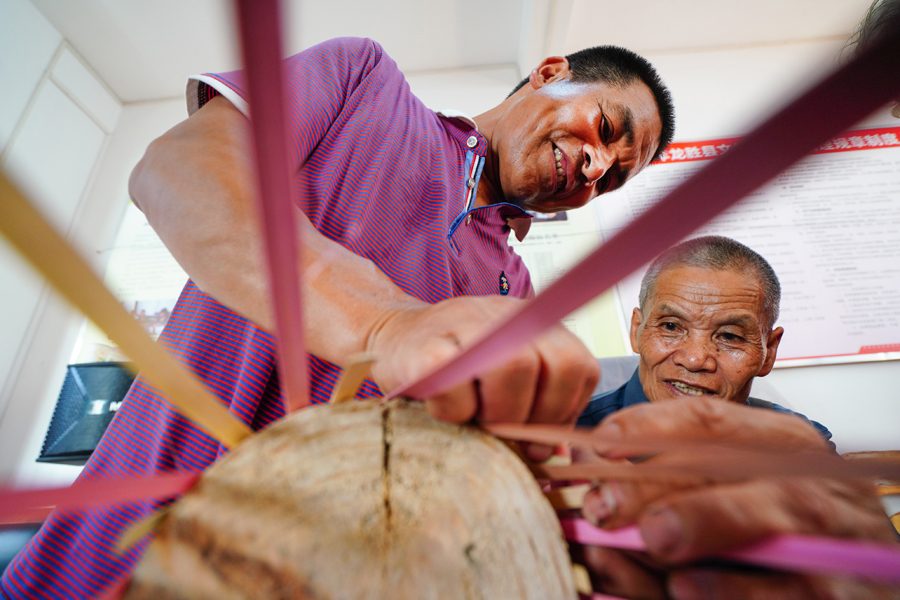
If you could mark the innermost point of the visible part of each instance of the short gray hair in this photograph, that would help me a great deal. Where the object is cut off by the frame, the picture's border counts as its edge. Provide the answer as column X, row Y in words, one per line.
column 720, row 254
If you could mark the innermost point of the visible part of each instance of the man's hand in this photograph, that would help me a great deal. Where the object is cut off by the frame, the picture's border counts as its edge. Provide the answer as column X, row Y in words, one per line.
column 693, row 520
column 549, row 380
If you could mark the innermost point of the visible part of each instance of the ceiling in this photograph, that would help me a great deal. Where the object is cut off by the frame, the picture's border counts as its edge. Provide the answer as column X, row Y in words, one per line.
column 145, row 50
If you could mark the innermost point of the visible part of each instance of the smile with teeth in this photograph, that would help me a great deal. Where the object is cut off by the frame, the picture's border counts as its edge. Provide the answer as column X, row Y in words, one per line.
column 560, row 173
column 688, row 389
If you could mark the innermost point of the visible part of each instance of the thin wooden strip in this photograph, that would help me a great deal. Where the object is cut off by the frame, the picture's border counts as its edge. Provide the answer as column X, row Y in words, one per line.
column 610, row 470
column 582, row 580
column 870, row 80
column 48, row 252
column 788, row 552
column 726, row 465
column 260, row 30
column 718, row 461
column 352, row 378
column 137, row 530
column 569, row 497
column 887, row 490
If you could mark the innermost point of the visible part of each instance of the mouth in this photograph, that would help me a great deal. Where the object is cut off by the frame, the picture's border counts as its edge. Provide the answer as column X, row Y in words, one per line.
column 561, row 164
column 687, row 389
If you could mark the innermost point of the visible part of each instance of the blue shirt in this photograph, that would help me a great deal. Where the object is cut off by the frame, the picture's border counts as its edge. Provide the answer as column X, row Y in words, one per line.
column 632, row 392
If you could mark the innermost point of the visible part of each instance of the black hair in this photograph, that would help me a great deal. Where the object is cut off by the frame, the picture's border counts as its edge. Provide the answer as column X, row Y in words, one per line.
column 880, row 14
column 618, row 66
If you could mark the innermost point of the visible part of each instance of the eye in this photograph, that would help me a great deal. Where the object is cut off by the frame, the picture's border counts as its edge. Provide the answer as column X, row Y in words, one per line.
column 605, row 130
column 731, row 338
column 669, row 326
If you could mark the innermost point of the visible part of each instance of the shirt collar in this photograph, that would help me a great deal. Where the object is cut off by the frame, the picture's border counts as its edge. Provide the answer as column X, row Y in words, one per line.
column 634, row 391
column 451, row 113
column 520, row 225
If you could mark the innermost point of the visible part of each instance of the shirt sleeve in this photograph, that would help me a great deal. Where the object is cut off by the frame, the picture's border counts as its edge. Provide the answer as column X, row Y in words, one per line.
column 320, row 83
column 758, row 403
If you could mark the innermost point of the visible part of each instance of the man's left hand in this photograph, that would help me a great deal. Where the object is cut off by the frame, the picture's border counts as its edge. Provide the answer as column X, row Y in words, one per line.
column 698, row 519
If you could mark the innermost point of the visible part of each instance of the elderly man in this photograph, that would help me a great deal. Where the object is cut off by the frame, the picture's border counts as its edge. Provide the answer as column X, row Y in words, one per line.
column 704, row 330
column 705, row 327
column 404, row 215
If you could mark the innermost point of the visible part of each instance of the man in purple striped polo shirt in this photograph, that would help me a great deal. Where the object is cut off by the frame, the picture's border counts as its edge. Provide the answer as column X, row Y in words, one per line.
column 404, row 216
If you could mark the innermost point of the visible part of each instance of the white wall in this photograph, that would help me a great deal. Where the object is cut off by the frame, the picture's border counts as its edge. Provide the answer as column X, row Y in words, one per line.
column 56, row 121
column 723, row 93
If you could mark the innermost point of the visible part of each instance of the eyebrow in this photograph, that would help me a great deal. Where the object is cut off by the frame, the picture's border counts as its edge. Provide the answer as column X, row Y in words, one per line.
column 744, row 321
column 627, row 124
column 669, row 311
column 627, row 118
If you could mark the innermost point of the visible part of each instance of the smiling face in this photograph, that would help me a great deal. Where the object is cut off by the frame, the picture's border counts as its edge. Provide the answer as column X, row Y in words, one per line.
column 563, row 143
column 704, row 333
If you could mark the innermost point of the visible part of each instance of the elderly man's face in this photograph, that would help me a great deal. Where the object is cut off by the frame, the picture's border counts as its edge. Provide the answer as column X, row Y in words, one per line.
column 565, row 143
column 703, row 334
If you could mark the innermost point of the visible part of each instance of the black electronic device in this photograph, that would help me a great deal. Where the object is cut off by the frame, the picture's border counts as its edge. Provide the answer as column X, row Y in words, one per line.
column 90, row 396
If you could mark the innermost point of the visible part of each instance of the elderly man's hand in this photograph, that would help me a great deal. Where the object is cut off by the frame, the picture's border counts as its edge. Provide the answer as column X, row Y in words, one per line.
column 549, row 380
column 693, row 520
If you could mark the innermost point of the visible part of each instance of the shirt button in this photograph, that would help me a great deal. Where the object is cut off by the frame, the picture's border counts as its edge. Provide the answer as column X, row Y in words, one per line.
column 468, row 219
column 472, row 141
column 471, row 182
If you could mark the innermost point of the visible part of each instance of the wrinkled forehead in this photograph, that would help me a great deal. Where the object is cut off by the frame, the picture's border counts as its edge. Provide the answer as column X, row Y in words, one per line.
column 708, row 293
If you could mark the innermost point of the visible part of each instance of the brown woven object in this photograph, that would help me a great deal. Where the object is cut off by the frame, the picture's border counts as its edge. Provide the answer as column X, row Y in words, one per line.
column 361, row 501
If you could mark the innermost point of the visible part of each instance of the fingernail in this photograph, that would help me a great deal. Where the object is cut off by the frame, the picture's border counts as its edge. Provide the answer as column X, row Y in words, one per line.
column 662, row 530
column 693, row 585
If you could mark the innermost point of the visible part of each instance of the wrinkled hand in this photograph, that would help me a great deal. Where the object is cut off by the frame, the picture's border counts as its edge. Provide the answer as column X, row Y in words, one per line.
column 692, row 519
column 549, row 380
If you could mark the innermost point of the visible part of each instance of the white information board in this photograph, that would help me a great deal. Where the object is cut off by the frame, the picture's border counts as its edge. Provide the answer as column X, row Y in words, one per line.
column 830, row 227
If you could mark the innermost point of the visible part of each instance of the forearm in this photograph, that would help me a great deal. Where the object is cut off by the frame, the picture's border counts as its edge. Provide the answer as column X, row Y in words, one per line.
column 196, row 188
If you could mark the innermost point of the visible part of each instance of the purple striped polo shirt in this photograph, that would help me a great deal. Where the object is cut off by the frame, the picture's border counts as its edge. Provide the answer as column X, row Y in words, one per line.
column 377, row 172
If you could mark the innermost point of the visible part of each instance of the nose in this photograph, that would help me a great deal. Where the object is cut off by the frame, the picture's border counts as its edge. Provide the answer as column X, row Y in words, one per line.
column 696, row 355
column 597, row 161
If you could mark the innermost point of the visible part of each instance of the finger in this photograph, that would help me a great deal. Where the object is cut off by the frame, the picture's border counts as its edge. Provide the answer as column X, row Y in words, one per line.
column 705, row 420
column 613, row 503
column 709, row 521
column 696, row 584
column 569, row 373
column 538, row 453
column 459, row 404
column 615, row 574
column 507, row 393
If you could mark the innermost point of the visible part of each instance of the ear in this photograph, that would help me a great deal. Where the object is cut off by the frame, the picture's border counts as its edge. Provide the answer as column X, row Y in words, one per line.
column 552, row 68
column 771, row 350
column 636, row 318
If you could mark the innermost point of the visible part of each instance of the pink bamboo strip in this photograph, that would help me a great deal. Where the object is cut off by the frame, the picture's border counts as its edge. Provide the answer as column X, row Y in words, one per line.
column 260, row 29
column 92, row 492
column 799, row 553
column 866, row 83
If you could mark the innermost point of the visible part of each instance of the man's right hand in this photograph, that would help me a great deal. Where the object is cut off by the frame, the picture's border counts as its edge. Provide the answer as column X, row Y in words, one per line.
column 548, row 380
